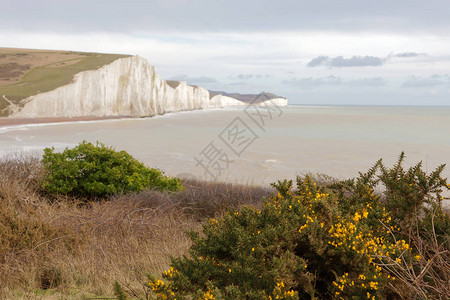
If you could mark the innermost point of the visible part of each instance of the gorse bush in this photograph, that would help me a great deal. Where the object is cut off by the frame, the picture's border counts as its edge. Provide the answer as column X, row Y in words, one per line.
column 96, row 171
column 300, row 245
column 320, row 242
column 409, row 195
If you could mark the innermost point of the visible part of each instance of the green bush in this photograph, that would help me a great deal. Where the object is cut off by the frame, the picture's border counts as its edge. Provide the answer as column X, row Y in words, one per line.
column 331, row 241
column 410, row 195
column 299, row 246
column 96, row 171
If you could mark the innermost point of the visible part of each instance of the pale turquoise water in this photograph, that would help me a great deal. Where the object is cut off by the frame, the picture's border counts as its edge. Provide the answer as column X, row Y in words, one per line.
column 337, row 140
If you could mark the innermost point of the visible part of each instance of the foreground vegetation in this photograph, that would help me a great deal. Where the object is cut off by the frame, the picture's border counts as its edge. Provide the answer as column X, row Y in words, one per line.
column 382, row 235
column 91, row 171
column 77, row 247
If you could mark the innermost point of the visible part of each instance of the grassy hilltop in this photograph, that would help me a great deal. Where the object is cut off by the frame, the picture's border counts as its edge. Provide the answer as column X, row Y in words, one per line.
column 26, row 72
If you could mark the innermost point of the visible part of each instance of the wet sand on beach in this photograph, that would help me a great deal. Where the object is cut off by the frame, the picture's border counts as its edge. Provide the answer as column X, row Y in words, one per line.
column 23, row 121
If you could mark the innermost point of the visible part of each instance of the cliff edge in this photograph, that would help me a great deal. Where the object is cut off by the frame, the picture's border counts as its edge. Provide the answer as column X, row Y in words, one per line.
column 126, row 87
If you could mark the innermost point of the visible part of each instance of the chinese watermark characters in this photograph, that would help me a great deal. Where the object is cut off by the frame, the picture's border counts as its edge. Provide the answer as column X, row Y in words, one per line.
column 236, row 137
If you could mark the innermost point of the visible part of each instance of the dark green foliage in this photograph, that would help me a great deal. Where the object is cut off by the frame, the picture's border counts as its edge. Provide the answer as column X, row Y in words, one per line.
column 96, row 171
column 411, row 196
column 118, row 291
column 282, row 250
column 337, row 240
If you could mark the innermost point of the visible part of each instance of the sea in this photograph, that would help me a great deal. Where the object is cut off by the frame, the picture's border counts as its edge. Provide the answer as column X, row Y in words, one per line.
column 257, row 145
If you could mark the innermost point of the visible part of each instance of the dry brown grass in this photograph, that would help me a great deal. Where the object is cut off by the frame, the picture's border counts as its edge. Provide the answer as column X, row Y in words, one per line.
column 429, row 278
column 70, row 248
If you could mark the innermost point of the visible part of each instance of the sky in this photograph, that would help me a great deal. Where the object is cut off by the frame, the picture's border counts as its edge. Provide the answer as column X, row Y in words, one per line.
column 345, row 52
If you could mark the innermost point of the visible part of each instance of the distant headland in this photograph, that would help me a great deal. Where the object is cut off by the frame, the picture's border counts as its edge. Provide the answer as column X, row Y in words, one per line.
column 68, row 84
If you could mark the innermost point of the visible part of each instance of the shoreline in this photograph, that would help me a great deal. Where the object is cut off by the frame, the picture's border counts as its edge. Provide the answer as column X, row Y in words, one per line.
column 7, row 121
column 12, row 121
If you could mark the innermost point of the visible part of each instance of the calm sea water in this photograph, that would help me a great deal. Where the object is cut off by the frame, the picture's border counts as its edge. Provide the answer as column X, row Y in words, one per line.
column 259, row 146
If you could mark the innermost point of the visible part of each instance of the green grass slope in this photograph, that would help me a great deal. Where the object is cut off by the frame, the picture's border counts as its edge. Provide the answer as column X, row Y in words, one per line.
column 44, row 73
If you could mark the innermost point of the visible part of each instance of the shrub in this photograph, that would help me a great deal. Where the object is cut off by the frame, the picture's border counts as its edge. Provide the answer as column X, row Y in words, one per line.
column 298, row 246
column 411, row 196
column 96, row 171
column 413, row 199
column 338, row 241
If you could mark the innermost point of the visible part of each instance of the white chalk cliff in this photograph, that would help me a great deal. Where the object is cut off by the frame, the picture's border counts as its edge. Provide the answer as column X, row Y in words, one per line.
column 126, row 87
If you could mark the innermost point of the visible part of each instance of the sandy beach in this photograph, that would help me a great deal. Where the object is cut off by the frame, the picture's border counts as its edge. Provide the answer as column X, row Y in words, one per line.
column 8, row 121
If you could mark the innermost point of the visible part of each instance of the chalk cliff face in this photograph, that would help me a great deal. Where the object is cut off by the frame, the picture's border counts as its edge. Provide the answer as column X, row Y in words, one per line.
column 127, row 87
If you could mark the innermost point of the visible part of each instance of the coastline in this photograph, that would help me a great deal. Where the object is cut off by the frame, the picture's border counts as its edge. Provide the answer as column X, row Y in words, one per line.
column 12, row 121
column 8, row 121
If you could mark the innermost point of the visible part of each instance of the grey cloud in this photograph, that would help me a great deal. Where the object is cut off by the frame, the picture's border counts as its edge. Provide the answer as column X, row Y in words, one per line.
column 245, row 76
column 311, row 82
column 252, row 15
column 356, row 61
column 320, row 60
column 341, row 62
column 237, row 83
column 407, row 54
column 367, row 82
column 203, row 79
column 331, row 80
column 194, row 80
column 421, row 82
column 439, row 76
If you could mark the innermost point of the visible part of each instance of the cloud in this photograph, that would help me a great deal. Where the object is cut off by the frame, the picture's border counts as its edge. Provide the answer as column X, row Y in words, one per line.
column 252, row 15
column 443, row 77
column 245, row 76
column 194, row 80
column 238, row 83
column 421, row 82
column 331, row 80
column 341, row 62
column 318, row 61
column 357, row 61
column 311, row 82
column 367, row 82
column 407, row 54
